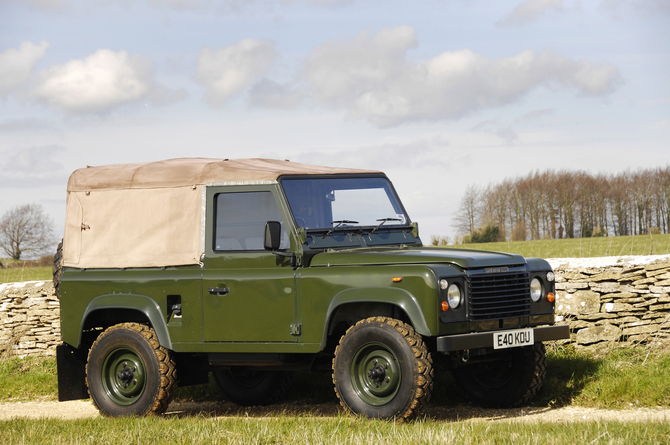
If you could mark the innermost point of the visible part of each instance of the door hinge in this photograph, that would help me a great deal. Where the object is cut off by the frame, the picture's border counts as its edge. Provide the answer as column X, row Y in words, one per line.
column 295, row 329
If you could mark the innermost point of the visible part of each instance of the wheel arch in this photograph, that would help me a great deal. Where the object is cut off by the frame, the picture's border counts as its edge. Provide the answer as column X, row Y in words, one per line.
column 108, row 310
column 362, row 297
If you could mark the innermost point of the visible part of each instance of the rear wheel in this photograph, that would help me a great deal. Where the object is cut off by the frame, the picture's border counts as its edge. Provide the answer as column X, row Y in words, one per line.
column 129, row 373
column 250, row 387
column 382, row 369
column 58, row 268
column 513, row 379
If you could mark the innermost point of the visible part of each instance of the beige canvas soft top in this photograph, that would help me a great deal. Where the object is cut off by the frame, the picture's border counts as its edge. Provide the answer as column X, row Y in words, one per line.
column 187, row 172
column 151, row 214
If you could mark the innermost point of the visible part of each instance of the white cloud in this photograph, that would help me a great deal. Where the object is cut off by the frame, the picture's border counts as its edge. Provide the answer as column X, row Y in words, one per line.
column 372, row 78
column 16, row 65
column 49, row 5
column 342, row 72
column 228, row 71
column 99, row 83
column 221, row 6
column 530, row 10
column 620, row 8
column 270, row 94
column 33, row 161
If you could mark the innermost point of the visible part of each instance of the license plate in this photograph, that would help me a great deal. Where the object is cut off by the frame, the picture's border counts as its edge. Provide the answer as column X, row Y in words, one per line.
column 513, row 339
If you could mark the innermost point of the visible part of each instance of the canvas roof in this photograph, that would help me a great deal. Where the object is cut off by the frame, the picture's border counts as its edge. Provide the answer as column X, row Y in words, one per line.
column 191, row 171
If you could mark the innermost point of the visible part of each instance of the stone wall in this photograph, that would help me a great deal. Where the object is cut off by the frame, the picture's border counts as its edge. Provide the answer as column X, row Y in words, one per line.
column 606, row 301
column 29, row 319
column 614, row 301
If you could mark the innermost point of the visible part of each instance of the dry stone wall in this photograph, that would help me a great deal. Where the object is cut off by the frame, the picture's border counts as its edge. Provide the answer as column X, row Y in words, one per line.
column 615, row 300
column 605, row 301
column 29, row 319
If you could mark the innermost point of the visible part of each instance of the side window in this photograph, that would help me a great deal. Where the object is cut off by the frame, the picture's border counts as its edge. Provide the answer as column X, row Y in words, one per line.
column 241, row 218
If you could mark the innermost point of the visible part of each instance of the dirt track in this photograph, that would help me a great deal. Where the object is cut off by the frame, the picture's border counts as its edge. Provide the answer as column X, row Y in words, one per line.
column 84, row 409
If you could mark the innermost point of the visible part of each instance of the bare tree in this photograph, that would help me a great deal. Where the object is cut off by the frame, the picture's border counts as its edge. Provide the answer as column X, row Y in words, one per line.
column 466, row 219
column 26, row 231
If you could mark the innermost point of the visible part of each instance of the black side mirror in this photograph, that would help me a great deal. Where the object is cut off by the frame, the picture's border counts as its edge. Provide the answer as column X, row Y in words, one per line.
column 272, row 238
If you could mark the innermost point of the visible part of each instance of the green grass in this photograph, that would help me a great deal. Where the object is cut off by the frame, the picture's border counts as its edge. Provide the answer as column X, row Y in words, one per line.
column 15, row 275
column 314, row 430
column 637, row 377
column 581, row 247
column 28, row 379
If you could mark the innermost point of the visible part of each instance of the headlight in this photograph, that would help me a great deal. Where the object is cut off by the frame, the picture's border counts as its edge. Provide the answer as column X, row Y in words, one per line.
column 454, row 296
column 536, row 290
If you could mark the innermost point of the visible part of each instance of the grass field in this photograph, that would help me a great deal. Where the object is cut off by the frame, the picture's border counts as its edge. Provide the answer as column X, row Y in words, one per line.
column 312, row 430
column 16, row 275
column 581, row 247
column 627, row 377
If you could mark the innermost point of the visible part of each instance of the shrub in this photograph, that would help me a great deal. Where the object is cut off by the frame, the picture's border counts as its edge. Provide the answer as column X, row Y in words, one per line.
column 489, row 234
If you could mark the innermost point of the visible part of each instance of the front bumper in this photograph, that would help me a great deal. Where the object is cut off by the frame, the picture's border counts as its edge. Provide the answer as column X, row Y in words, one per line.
column 485, row 339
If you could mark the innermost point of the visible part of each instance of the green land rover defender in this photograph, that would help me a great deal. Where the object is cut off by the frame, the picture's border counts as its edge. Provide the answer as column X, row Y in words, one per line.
column 253, row 269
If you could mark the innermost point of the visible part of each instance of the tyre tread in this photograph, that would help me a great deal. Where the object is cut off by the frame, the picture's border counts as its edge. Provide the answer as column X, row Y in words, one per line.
column 166, row 365
column 424, row 375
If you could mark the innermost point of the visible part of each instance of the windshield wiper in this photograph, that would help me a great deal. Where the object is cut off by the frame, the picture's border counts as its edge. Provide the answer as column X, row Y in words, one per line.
column 339, row 222
column 383, row 220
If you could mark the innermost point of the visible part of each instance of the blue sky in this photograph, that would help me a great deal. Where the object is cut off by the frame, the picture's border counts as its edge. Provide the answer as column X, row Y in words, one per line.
column 438, row 94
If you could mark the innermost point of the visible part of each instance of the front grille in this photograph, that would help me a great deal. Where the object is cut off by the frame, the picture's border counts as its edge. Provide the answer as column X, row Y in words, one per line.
column 496, row 296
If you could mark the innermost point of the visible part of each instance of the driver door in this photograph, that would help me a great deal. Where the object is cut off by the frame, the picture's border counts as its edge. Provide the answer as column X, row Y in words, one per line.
column 248, row 292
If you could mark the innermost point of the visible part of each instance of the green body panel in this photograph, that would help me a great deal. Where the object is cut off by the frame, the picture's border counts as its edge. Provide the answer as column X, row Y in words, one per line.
column 323, row 290
column 86, row 292
column 140, row 303
column 260, row 304
column 466, row 259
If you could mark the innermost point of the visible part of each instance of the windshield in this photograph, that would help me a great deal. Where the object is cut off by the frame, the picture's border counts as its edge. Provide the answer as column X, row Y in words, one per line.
column 327, row 203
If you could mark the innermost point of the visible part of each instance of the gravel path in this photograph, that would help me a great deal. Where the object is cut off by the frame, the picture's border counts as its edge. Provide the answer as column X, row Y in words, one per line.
column 84, row 409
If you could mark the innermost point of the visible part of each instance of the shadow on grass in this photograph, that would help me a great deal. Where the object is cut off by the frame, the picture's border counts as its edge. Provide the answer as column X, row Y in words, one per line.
column 568, row 372
column 312, row 394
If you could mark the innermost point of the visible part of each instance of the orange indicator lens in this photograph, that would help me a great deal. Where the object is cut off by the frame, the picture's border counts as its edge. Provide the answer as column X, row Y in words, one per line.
column 396, row 279
column 444, row 306
column 551, row 297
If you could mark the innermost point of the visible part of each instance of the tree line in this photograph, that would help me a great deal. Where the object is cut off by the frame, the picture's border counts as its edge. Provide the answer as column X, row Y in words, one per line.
column 566, row 204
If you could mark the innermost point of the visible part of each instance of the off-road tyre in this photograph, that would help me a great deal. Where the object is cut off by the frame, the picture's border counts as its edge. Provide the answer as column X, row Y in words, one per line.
column 247, row 387
column 382, row 369
column 129, row 373
column 58, row 268
column 513, row 380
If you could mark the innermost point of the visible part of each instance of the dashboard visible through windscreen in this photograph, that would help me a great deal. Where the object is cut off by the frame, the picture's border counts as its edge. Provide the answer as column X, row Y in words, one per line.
column 324, row 203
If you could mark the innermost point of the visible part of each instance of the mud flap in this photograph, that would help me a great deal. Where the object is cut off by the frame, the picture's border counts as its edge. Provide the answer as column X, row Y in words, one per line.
column 71, row 364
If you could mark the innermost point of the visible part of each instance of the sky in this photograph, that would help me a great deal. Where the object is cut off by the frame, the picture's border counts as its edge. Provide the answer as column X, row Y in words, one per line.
column 438, row 94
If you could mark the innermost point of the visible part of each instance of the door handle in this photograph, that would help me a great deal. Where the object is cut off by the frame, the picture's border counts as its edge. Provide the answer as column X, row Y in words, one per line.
column 219, row 290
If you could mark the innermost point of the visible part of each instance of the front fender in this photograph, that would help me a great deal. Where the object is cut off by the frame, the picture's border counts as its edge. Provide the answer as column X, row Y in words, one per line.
column 140, row 303
column 397, row 297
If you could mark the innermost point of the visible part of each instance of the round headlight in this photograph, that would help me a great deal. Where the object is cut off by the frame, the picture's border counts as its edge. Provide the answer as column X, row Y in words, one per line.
column 535, row 290
column 454, row 296
column 444, row 284
column 550, row 276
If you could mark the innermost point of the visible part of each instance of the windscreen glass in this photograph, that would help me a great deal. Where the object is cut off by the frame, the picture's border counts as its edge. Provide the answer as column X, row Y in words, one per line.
column 324, row 203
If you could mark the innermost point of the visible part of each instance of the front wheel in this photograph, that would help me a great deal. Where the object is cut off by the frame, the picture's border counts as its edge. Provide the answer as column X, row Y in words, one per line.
column 129, row 373
column 383, row 370
column 512, row 379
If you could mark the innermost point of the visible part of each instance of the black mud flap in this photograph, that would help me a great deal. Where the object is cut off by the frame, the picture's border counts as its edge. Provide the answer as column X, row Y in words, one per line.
column 71, row 364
